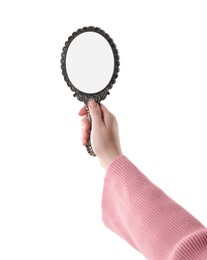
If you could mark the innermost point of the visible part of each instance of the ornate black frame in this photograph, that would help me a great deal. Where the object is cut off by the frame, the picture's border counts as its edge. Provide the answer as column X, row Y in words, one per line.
column 101, row 95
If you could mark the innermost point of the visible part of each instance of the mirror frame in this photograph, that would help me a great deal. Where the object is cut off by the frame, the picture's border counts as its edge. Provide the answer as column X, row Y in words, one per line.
column 101, row 95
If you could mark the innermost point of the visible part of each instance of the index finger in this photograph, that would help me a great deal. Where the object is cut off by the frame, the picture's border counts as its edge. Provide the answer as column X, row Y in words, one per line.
column 82, row 111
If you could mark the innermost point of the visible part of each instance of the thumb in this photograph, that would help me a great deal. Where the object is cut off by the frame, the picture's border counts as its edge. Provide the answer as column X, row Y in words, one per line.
column 95, row 112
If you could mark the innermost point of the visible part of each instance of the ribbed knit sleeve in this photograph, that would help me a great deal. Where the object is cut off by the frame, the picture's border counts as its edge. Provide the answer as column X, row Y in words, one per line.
column 142, row 214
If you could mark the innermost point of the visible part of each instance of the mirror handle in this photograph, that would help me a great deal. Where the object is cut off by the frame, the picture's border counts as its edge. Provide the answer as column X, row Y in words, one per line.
column 89, row 147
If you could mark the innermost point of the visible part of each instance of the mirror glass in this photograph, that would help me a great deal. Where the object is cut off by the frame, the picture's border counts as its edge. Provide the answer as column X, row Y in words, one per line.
column 90, row 62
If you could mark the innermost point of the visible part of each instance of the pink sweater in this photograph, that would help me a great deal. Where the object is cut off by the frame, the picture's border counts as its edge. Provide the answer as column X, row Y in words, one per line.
column 143, row 215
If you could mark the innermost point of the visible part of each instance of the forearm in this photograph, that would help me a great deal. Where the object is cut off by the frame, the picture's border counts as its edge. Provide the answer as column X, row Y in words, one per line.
column 146, row 217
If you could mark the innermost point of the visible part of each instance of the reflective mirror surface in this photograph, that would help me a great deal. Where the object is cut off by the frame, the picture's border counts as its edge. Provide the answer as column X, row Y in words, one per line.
column 90, row 62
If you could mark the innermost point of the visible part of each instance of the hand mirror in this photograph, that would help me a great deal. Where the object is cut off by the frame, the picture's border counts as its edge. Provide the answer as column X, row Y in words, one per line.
column 90, row 66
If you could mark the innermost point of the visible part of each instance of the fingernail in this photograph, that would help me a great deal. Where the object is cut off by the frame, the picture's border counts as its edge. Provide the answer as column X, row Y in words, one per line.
column 92, row 103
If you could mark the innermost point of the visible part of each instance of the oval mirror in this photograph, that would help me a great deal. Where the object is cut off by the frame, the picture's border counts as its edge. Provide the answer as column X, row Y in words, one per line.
column 90, row 65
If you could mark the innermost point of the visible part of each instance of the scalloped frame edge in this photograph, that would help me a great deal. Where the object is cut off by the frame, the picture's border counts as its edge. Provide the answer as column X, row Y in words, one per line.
column 101, row 95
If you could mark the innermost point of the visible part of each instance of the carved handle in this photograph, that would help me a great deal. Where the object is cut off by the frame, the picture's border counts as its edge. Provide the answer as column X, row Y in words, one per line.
column 89, row 147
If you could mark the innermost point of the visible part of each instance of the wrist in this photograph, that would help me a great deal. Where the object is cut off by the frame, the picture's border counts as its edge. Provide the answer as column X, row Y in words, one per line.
column 106, row 161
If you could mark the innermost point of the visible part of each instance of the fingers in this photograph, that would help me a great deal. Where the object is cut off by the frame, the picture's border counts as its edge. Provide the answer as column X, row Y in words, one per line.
column 85, row 137
column 82, row 111
column 85, row 123
column 85, row 129
column 84, row 142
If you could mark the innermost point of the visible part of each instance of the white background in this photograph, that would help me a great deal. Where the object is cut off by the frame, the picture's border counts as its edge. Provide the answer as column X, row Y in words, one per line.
column 50, row 188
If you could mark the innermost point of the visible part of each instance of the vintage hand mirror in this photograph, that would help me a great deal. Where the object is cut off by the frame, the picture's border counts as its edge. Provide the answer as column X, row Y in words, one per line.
column 90, row 66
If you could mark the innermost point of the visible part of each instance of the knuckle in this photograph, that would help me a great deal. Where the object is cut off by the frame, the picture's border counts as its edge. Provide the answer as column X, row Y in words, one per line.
column 84, row 120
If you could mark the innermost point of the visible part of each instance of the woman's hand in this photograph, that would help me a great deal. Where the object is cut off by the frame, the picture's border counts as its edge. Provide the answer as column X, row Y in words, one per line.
column 104, row 132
